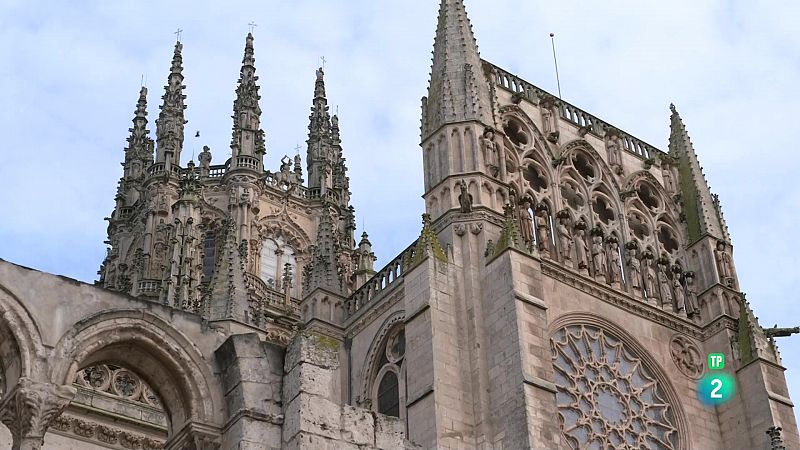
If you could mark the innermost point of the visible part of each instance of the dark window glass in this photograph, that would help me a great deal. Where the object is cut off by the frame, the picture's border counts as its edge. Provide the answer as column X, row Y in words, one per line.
column 389, row 395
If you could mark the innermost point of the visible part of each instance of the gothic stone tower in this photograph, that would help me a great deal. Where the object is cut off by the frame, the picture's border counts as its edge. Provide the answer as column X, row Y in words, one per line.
column 562, row 294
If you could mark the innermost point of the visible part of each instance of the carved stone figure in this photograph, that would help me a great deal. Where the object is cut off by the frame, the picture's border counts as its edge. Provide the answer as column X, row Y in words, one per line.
column 490, row 154
column 598, row 254
column 543, row 231
column 680, row 296
column 564, row 240
column 664, row 284
column 692, row 308
column 581, row 248
column 614, row 268
column 649, row 274
column 525, row 221
column 669, row 182
column 613, row 151
column 464, row 198
column 724, row 266
column 634, row 266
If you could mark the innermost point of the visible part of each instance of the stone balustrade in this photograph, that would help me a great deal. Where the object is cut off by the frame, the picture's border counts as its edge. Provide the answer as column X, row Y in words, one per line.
column 568, row 112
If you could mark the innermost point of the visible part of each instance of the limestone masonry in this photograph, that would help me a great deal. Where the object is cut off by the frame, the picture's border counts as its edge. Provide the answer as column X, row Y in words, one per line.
column 566, row 286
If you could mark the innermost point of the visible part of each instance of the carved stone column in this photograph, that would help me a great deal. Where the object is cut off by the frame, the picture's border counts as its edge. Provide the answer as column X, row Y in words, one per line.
column 30, row 408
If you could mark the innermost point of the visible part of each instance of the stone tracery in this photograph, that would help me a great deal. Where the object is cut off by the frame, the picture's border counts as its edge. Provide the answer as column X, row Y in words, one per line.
column 606, row 396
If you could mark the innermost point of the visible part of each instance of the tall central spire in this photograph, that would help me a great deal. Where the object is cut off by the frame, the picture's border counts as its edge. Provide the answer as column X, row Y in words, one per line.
column 457, row 90
column 169, row 126
column 248, row 137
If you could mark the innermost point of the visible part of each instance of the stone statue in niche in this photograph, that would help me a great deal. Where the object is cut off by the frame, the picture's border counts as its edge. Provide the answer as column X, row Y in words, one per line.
column 669, row 181
column 464, row 198
column 543, row 231
column 581, row 249
column 564, row 238
column 598, row 255
column 613, row 151
column 649, row 274
column 490, row 153
column 692, row 307
column 680, row 295
column 665, row 284
column 549, row 130
column 525, row 221
column 634, row 265
column 724, row 264
column 614, row 269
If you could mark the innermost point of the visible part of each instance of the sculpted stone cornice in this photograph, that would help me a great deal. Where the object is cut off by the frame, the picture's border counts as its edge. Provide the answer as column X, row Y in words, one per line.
column 622, row 300
column 103, row 435
column 30, row 408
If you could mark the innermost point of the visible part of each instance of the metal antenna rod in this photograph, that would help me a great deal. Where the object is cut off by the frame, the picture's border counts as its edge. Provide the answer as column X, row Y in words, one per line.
column 555, row 61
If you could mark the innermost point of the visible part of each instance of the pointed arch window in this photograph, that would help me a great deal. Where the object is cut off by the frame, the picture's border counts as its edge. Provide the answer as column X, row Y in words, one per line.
column 276, row 253
column 388, row 387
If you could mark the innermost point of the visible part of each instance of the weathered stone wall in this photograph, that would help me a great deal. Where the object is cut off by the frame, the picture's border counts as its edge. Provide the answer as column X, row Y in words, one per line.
column 313, row 417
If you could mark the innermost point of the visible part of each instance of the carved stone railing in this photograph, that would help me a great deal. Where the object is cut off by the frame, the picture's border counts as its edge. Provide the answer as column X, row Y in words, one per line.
column 568, row 112
column 149, row 288
column 248, row 162
column 384, row 279
column 216, row 171
column 266, row 301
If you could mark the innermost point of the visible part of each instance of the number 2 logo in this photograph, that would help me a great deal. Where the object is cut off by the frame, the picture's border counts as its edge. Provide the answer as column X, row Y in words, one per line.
column 718, row 385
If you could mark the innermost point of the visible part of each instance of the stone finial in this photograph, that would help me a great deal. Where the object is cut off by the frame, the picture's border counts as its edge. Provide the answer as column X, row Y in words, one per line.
column 510, row 236
column 319, row 84
column 427, row 245
column 30, row 408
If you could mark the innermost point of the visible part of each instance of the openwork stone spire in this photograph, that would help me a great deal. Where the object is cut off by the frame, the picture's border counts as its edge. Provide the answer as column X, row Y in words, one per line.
column 248, row 137
column 322, row 272
column 320, row 156
column 458, row 91
column 703, row 213
column 140, row 145
column 170, row 123
column 228, row 290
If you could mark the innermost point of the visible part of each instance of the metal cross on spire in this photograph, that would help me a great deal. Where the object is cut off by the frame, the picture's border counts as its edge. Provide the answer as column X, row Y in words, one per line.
column 252, row 26
column 297, row 149
column 323, row 61
column 178, row 34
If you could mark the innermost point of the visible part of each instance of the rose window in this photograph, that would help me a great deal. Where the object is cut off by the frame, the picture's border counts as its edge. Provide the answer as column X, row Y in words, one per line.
column 606, row 397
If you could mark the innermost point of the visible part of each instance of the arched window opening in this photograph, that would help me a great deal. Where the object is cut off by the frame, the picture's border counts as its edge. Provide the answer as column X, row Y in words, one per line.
column 516, row 132
column 388, row 392
column 602, row 208
column 648, row 196
column 534, row 176
column 389, row 395
column 572, row 195
column 275, row 255
column 583, row 165
column 667, row 239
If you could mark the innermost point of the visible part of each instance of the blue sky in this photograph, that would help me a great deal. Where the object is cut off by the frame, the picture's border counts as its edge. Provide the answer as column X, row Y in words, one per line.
column 71, row 73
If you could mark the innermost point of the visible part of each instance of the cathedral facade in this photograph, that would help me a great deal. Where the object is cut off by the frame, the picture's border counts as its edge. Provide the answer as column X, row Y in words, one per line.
column 566, row 286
